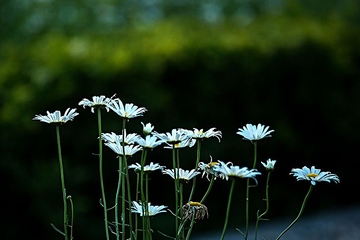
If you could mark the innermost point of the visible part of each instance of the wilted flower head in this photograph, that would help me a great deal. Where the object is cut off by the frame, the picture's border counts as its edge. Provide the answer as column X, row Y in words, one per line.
column 269, row 165
column 181, row 174
column 314, row 175
column 147, row 128
column 129, row 110
column 227, row 170
column 253, row 133
column 208, row 168
column 97, row 102
column 56, row 117
column 147, row 168
column 151, row 210
column 149, row 141
column 194, row 210
column 200, row 134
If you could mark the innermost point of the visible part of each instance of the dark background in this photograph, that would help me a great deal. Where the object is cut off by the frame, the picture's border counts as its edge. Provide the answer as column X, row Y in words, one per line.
column 293, row 66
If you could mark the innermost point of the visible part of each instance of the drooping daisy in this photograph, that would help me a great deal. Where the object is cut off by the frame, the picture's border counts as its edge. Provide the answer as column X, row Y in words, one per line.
column 151, row 210
column 147, row 168
column 149, row 141
column 269, row 165
column 227, row 170
column 208, row 168
column 314, row 175
column 56, row 117
column 185, row 175
column 97, row 102
column 147, row 128
column 253, row 133
column 200, row 134
column 194, row 210
column 129, row 110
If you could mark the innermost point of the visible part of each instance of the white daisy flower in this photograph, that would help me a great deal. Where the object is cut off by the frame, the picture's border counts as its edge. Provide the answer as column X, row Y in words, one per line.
column 147, row 128
column 269, row 165
column 118, row 148
column 181, row 174
column 200, row 134
column 149, row 141
column 176, row 136
column 113, row 137
column 186, row 143
column 151, row 210
column 56, row 117
column 97, row 102
column 129, row 110
column 253, row 133
column 147, row 168
column 227, row 170
column 314, row 175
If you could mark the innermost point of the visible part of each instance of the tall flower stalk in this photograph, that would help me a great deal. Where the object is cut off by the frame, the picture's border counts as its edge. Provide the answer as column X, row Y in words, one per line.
column 103, row 196
column 269, row 168
column 252, row 133
column 57, row 119
column 99, row 102
column 62, row 177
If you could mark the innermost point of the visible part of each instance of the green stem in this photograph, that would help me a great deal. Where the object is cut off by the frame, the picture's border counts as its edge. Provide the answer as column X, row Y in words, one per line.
column 247, row 195
column 72, row 217
column 143, row 199
column 101, row 174
column 209, row 188
column 228, row 209
column 298, row 216
column 128, row 196
column 198, row 141
column 267, row 205
column 123, row 196
column 62, row 182
column 117, row 198
column 176, row 175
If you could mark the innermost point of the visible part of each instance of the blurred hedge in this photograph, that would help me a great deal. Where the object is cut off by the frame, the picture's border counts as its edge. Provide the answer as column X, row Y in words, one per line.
column 298, row 76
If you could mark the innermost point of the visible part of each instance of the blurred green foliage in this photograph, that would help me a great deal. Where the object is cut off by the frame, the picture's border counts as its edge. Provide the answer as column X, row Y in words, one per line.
column 295, row 73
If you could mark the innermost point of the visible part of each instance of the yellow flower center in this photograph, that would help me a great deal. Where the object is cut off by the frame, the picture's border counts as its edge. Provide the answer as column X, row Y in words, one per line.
column 312, row 175
column 195, row 204
column 212, row 164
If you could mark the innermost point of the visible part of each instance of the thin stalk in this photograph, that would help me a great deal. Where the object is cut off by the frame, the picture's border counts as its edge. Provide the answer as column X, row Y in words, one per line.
column 299, row 215
column 267, row 205
column 228, row 209
column 123, row 196
column 143, row 199
column 72, row 217
column 198, row 150
column 182, row 233
column 176, row 176
column 117, row 199
column 62, row 182
column 209, row 188
column 101, row 175
column 128, row 196
column 247, row 195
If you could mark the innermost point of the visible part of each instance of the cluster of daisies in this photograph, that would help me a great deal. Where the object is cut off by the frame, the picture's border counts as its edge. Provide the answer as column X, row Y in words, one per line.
column 129, row 144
